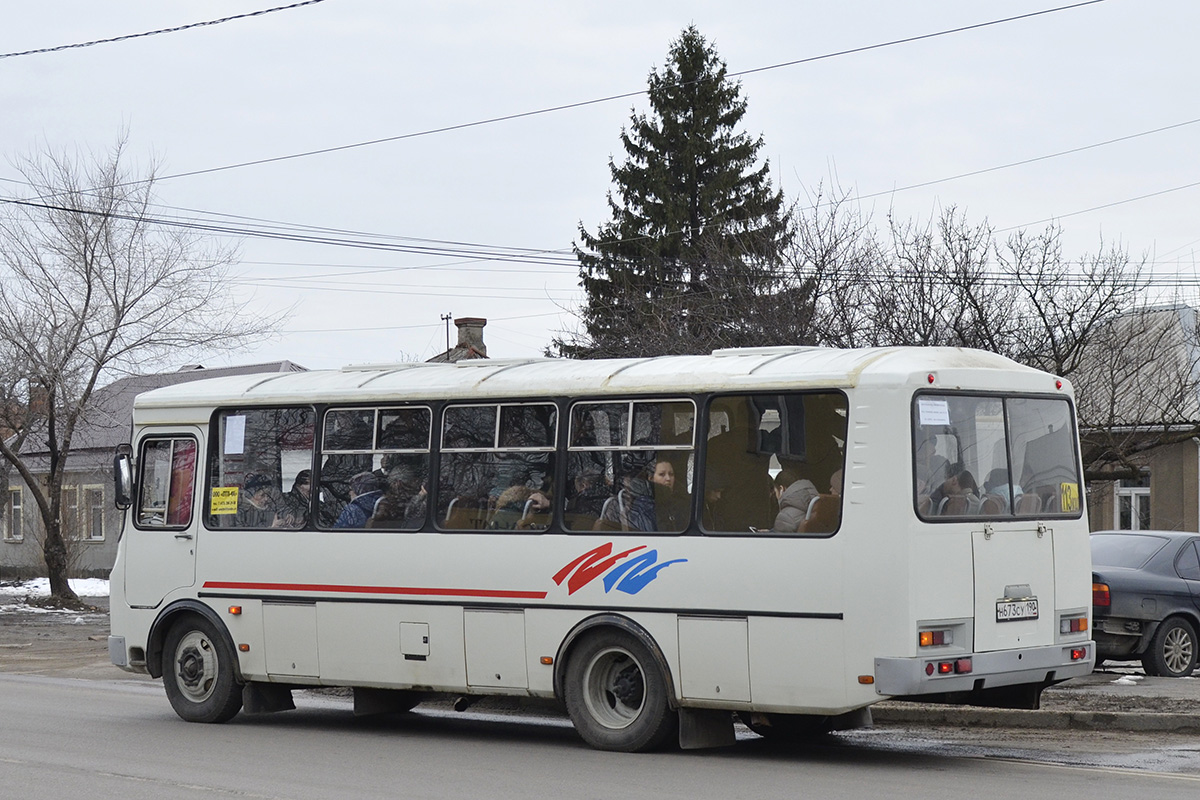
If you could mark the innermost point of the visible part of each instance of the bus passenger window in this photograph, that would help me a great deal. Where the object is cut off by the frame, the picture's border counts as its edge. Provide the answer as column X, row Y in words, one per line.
column 628, row 466
column 256, row 465
column 497, row 467
column 775, row 463
column 375, row 468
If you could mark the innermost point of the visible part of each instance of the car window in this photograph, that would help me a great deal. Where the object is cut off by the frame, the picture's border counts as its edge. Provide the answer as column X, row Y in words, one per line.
column 1188, row 563
column 1124, row 549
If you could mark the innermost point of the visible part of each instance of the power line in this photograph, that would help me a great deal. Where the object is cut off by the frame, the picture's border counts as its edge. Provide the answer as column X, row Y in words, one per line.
column 1020, row 163
column 412, row 327
column 1100, row 207
column 624, row 95
column 176, row 29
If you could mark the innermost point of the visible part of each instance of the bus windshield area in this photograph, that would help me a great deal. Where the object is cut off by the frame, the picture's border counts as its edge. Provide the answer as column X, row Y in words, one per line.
column 994, row 457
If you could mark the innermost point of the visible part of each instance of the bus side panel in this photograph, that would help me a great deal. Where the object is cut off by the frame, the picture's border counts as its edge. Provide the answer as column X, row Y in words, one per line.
column 797, row 665
column 392, row 646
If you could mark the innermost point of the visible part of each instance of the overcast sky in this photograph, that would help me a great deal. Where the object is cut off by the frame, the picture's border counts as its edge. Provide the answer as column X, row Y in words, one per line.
column 342, row 72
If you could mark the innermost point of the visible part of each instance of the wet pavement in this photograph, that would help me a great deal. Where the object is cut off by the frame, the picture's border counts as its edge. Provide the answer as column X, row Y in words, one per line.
column 1117, row 697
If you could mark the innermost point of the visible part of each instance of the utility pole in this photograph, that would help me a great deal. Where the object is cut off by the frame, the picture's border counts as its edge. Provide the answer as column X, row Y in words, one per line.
column 446, row 319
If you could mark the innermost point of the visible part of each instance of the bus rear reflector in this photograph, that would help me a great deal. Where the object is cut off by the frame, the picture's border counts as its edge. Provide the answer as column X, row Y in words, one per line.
column 1100, row 595
column 1078, row 654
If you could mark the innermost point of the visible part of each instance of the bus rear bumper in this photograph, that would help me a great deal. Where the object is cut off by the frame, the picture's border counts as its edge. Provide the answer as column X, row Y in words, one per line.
column 977, row 673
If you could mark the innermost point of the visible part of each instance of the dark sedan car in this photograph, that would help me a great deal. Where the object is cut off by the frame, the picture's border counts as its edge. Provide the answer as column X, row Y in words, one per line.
column 1146, row 599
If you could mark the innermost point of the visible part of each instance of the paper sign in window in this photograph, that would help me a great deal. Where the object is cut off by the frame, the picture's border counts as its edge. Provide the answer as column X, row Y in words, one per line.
column 1068, row 496
column 235, row 435
column 933, row 412
column 224, row 500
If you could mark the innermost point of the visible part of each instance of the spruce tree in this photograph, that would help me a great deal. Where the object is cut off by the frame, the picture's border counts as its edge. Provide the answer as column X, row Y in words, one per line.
column 696, row 227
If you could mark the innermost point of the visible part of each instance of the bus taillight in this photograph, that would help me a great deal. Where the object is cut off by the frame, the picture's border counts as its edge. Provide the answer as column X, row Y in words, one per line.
column 935, row 638
column 959, row 666
column 1100, row 595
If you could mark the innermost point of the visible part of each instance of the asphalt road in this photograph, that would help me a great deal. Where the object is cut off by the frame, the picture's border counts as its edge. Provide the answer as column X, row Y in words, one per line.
column 76, row 724
column 91, row 738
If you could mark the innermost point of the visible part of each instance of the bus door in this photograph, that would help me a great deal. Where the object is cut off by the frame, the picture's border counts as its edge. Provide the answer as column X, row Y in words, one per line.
column 1014, row 587
column 160, row 542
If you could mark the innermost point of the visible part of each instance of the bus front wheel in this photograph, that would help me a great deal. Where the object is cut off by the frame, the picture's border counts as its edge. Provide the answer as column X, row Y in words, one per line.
column 616, row 694
column 198, row 672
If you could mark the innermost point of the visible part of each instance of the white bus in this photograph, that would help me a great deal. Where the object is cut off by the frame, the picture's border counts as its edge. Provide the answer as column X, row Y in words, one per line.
column 791, row 534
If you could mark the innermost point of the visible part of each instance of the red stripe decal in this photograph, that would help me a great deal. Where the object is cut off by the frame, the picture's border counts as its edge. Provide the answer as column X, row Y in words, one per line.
column 400, row 590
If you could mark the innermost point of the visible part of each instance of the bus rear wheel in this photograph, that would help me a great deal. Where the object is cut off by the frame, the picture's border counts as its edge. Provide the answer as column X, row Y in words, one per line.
column 616, row 694
column 198, row 672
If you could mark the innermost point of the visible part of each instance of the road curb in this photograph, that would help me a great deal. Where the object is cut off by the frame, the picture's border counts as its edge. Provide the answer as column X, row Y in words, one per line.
column 1134, row 721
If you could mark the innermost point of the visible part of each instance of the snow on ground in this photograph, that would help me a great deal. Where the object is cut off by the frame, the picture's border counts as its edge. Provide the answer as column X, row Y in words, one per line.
column 13, row 595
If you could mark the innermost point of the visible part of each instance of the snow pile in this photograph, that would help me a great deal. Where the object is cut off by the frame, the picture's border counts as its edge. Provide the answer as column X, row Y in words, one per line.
column 1128, row 680
column 13, row 596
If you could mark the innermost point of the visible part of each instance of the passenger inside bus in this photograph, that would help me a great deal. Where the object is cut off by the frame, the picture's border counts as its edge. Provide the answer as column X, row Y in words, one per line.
column 294, row 509
column 521, row 508
column 403, row 504
column 999, row 496
column 954, row 496
column 632, row 507
column 672, row 503
column 794, row 494
column 586, row 491
column 258, row 502
column 366, row 489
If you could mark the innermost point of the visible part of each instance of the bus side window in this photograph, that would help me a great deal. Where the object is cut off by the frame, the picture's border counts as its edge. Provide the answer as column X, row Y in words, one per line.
column 628, row 466
column 497, row 467
column 166, row 483
column 256, row 467
column 775, row 463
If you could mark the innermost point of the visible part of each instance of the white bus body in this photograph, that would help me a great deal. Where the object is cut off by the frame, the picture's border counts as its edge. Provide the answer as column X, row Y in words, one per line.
column 640, row 633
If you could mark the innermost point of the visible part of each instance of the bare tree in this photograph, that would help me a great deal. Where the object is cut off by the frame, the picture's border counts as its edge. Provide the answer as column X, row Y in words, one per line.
column 92, row 287
column 1135, row 365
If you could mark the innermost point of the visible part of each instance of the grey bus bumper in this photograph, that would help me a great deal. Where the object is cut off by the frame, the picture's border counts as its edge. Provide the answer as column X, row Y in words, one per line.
column 924, row 677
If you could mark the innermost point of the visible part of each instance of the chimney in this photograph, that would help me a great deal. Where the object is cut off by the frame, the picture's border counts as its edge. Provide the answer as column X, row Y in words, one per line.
column 470, row 337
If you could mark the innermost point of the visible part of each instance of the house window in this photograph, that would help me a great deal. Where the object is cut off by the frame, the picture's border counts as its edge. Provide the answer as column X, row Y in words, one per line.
column 93, row 511
column 14, row 527
column 1132, row 507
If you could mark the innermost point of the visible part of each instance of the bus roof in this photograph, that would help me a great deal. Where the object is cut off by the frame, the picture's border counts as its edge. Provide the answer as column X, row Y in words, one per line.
column 757, row 369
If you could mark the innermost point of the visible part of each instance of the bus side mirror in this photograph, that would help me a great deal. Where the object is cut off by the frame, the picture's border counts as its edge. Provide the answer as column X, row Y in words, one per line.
column 123, row 477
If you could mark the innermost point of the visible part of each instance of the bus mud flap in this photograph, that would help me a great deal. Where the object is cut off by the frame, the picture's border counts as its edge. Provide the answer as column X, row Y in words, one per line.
column 266, row 698
column 704, row 727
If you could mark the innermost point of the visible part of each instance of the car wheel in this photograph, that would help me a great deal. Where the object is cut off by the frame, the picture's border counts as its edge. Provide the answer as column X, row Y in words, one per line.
column 616, row 694
column 198, row 672
column 1172, row 652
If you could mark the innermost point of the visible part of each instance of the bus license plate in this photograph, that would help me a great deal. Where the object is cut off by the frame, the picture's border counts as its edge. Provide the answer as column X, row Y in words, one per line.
column 1013, row 610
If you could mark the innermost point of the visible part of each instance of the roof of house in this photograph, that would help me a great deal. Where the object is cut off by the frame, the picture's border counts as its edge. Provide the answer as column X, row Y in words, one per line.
column 107, row 421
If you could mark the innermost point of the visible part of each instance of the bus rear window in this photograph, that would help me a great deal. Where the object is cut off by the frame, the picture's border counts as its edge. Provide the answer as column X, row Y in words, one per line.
column 994, row 457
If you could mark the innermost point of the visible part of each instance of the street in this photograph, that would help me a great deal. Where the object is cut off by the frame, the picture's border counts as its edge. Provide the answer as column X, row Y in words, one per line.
column 119, row 738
